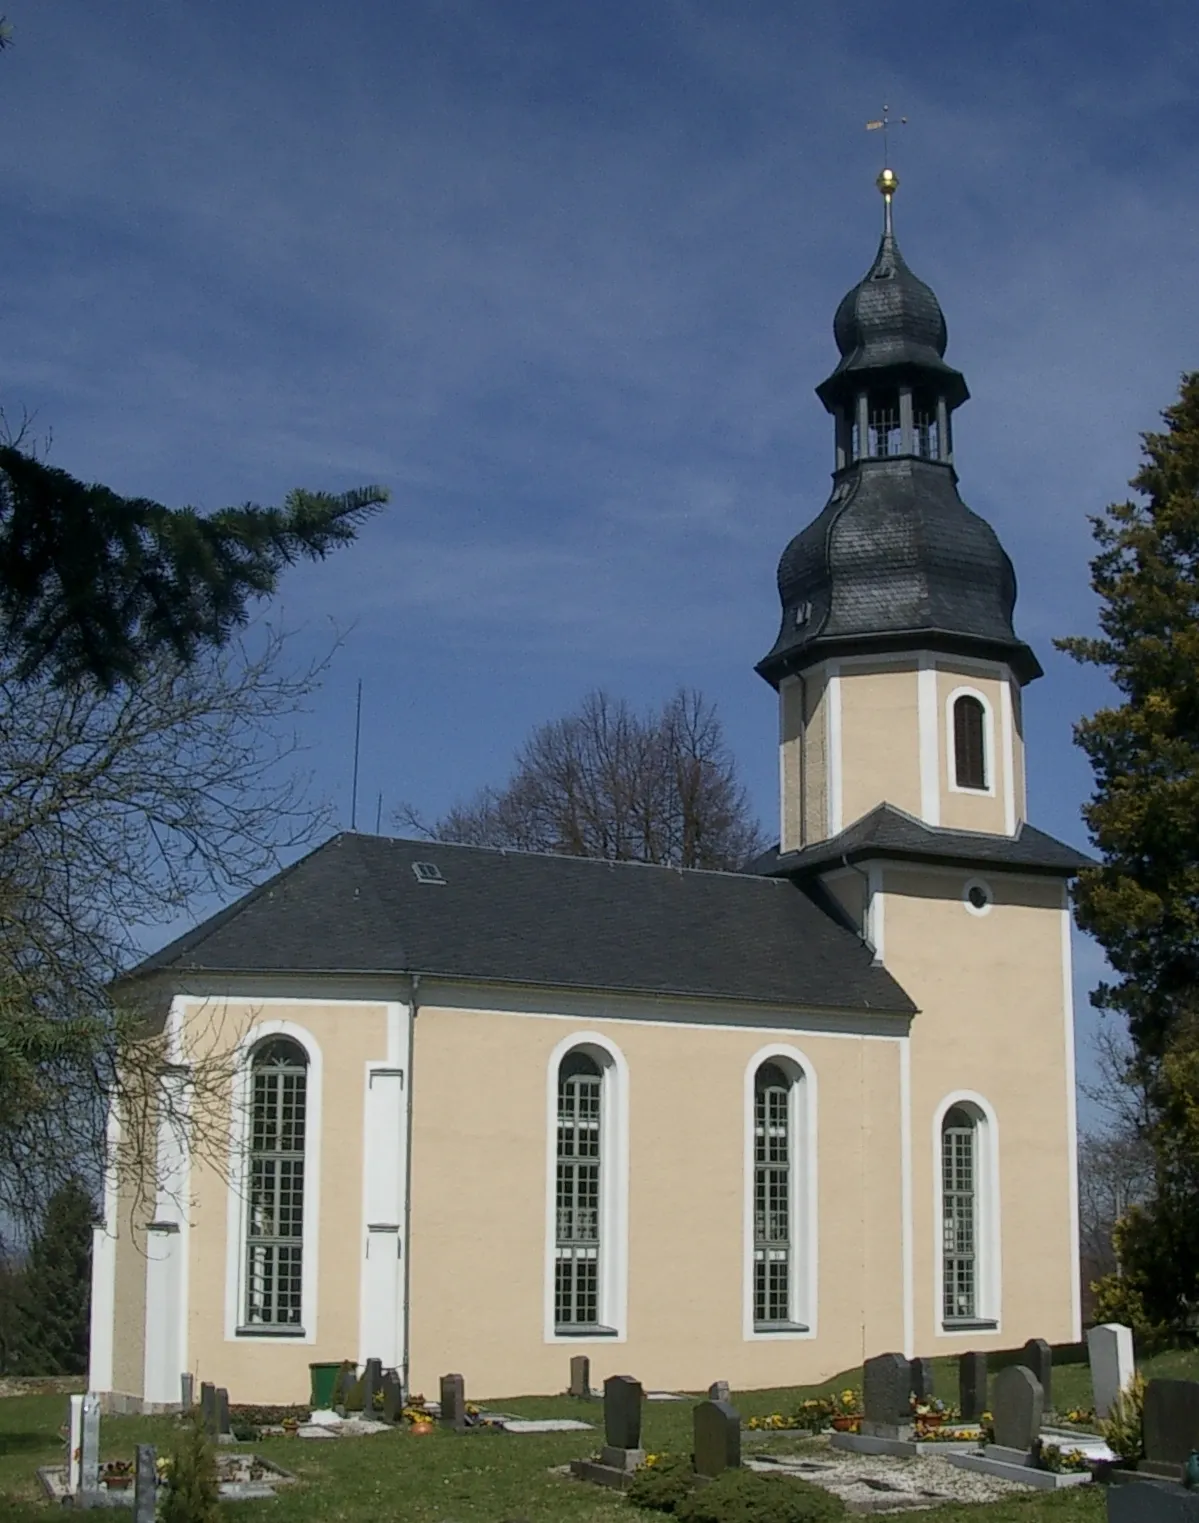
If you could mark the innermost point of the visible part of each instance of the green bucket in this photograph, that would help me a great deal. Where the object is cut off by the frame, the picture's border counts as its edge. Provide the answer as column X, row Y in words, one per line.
column 323, row 1384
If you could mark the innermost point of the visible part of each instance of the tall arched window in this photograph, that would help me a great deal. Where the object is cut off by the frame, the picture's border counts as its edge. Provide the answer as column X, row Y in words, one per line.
column 579, row 1212
column 275, row 1195
column 960, row 1215
column 969, row 742
column 774, row 1247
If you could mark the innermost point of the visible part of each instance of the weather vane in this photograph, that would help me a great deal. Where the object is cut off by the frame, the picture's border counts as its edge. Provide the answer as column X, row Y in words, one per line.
column 884, row 125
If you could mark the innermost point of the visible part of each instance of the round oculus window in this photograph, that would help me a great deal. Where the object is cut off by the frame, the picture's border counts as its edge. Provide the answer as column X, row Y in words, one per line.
column 977, row 897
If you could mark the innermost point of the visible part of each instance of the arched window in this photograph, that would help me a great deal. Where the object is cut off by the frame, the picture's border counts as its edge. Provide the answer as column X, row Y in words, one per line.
column 774, row 1246
column 960, row 1215
column 579, row 1216
column 275, row 1195
column 969, row 742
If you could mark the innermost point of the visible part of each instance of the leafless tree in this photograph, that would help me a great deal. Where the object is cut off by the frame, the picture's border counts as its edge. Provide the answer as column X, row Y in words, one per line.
column 121, row 811
column 1115, row 1171
column 608, row 782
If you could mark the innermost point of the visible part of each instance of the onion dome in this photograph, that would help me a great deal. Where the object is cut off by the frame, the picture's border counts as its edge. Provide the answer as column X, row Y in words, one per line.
column 895, row 560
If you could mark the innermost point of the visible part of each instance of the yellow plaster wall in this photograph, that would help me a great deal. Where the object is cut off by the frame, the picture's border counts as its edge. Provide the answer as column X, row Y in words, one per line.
column 478, row 1248
column 992, row 1021
column 272, row 1369
column 815, row 757
column 791, row 779
column 978, row 811
column 880, row 739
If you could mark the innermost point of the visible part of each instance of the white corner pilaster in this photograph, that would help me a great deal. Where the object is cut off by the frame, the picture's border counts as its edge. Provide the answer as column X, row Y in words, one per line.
column 384, row 1145
column 929, row 732
column 905, row 1195
column 1071, row 1115
column 167, row 1242
column 874, row 927
column 834, row 781
column 1009, row 755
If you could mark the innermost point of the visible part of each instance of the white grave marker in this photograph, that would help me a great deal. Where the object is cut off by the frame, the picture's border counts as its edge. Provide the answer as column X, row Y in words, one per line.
column 1112, row 1366
column 74, row 1443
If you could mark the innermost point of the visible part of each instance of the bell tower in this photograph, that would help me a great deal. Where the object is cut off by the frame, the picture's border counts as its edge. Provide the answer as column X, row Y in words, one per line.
column 897, row 667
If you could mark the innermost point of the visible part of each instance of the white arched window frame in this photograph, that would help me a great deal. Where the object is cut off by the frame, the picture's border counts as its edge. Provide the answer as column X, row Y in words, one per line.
column 989, row 753
column 613, row 1256
column 987, row 1245
column 802, row 1156
column 236, row 1261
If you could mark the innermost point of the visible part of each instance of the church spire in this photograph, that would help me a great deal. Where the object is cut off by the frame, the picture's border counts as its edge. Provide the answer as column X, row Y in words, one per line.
column 896, row 560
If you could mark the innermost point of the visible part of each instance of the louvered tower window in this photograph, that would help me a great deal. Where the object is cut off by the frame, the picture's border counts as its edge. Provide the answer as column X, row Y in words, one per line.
column 885, row 437
column 275, row 1209
column 969, row 743
column 924, row 430
column 580, row 1160
column 959, row 1204
column 773, row 1162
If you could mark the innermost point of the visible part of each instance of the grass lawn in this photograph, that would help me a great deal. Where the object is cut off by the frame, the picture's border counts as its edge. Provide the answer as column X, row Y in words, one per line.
column 485, row 1477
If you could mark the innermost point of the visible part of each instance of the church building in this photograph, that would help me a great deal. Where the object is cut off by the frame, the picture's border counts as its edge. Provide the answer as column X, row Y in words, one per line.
column 479, row 1110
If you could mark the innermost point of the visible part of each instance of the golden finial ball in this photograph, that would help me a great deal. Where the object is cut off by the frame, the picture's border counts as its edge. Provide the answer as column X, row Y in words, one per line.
column 888, row 182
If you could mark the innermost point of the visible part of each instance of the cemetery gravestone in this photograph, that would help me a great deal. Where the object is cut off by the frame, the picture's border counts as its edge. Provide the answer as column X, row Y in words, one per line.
column 1171, row 1425
column 1151, row 1502
column 1037, row 1356
column 718, row 1391
column 393, row 1398
column 717, row 1438
column 89, row 1448
column 187, row 1387
column 223, row 1428
column 622, row 1412
column 208, row 1408
column 1019, row 1408
column 580, row 1375
column 347, row 1379
column 1109, row 1349
column 886, row 1397
column 972, row 1386
column 453, row 1403
column 922, row 1379
column 145, row 1484
column 372, row 1380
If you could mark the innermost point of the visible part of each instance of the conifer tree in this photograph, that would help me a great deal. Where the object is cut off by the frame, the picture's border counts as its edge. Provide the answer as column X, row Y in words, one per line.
column 93, row 585
column 51, row 1331
column 1141, row 902
column 192, row 1489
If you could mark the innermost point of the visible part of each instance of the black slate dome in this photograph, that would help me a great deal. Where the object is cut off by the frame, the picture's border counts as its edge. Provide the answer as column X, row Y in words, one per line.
column 895, row 560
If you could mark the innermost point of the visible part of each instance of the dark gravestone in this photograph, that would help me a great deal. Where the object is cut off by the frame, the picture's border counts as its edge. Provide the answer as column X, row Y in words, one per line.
column 208, row 1408
column 622, row 1412
column 717, row 1438
column 372, row 1381
column 922, row 1379
column 1151, row 1502
column 453, row 1403
column 343, row 1386
column 718, row 1391
column 223, row 1429
column 393, row 1398
column 1037, row 1356
column 1171, row 1423
column 886, row 1396
column 187, row 1390
column 145, row 1485
column 580, row 1375
column 972, row 1386
column 1019, row 1408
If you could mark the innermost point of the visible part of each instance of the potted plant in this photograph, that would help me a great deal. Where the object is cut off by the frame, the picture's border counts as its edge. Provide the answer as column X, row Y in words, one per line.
column 117, row 1475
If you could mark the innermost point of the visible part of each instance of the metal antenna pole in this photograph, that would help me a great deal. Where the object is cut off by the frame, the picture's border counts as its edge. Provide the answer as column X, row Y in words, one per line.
column 379, row 812
column 357, row 739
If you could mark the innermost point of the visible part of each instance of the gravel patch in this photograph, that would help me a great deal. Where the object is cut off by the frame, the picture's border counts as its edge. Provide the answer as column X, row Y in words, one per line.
column 877, row 1483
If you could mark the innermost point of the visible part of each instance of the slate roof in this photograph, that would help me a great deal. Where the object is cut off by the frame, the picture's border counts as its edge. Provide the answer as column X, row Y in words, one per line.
column 355, row 906
column 890, row 832
column 890, row 321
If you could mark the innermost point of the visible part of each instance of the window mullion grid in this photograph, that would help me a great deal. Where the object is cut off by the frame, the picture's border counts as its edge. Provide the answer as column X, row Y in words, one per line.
column 959, row 1228
column 578, row 1215
column 274, row 1247
column 772, row 1207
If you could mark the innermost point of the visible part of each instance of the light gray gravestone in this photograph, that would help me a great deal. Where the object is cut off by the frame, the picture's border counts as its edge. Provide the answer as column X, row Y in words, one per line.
column 1037, row 1356
column 1109, row 1349
column 453, row 1403
column 145, row 1484
column 1019, row 1408
column 89, row 1448
column 1171, row 1424
column 972, row 1386
column 187, row 1391
column 393, row 1398
column 372, row 1382
column 717, row 1438
column 922, row 1379
column 886, row 1397
column 718, row 1391
column 74, row 1442
column 580, row 1375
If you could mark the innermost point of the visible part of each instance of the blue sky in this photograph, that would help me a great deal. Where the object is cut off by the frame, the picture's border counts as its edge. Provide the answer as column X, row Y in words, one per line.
column 562, row 277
